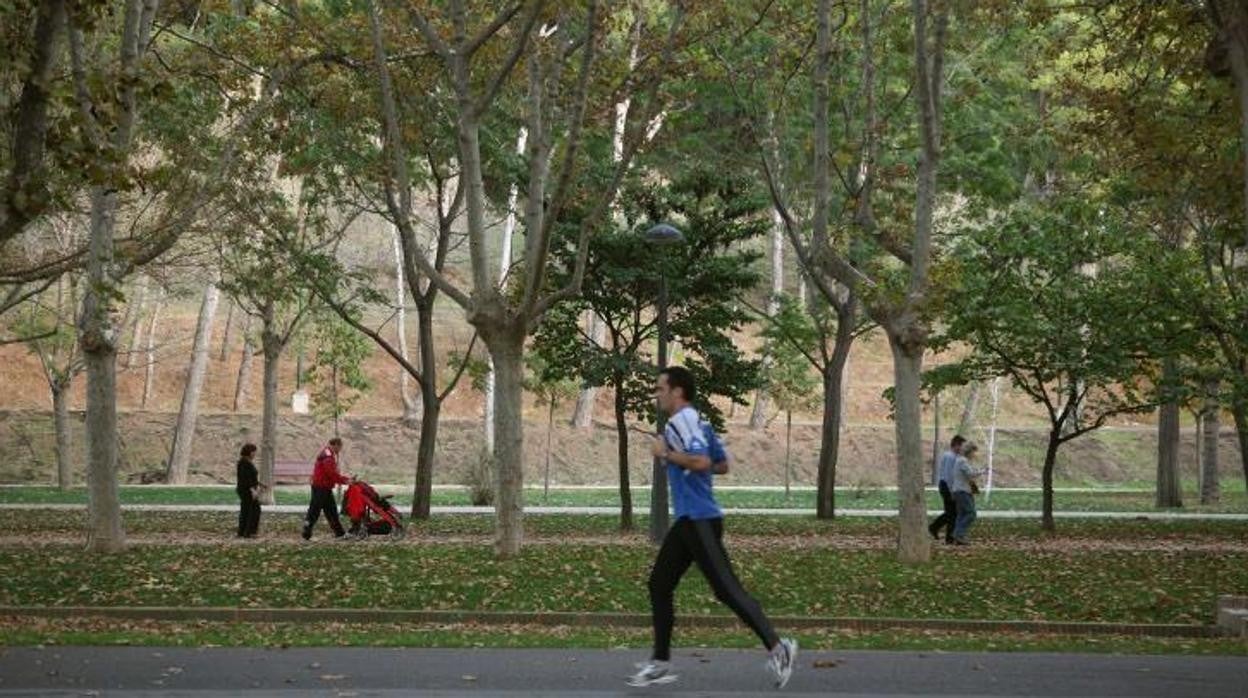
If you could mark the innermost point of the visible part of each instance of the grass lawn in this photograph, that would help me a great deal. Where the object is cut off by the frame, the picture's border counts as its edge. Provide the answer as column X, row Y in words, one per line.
column 15, row 631
column 216, row 525
column 1233, row 500
column 987, row 583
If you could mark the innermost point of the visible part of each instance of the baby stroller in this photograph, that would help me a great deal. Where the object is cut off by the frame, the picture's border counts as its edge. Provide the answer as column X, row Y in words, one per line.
column 370, row 513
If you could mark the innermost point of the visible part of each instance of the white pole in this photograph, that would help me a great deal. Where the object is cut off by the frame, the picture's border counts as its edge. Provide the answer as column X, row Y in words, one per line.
column 992, row 436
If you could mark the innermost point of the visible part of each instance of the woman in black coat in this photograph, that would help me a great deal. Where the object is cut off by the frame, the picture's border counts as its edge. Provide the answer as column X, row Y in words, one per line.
column 248, row 489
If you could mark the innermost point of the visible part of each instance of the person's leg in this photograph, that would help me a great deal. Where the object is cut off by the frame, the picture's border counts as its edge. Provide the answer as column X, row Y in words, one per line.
column 331, row 514
column 253, row 527
column 244, row 512
column 972, row 515
column 945, row 519
column 670, row 565
column 314, row 512
column 951, row 510
column 966, row 514
column 704, row 539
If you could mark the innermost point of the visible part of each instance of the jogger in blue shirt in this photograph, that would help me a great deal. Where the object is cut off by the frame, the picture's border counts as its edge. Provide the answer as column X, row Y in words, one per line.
column 694, row 456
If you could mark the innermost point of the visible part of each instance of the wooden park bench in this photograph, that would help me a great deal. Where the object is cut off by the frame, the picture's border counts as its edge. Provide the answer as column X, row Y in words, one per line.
column 292, row 471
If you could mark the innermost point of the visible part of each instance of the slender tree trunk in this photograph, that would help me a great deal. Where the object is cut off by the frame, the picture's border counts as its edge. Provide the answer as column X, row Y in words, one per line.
column 788, row 450
column 550, row 430
column 833, row 411
column 149, row 371
column 1169, row 492
column 431, row 410
column 96, row 337
column 1232, row 17
column 243, row 383
column 227, row 337
column 133, row 320
column 935, row 435
column 1210, row 419
column 912, row 541
column 188, row 415
column 1240, row 413
column 583, row 412
column 1046, row 479
column 967, row 421
column 508, row 353
column 271, row 343
column 758, row 418
column 621, row 440
column 410, row 415
column 60, row 418
column 509, row 229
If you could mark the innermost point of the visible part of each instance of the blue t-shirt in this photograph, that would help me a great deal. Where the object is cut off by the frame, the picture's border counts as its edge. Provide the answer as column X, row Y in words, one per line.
column 692, row 495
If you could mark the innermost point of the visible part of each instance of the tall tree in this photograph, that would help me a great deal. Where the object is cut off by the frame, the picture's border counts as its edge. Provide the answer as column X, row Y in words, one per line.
column 623, row 272
column 188, row 413
column 504, row 321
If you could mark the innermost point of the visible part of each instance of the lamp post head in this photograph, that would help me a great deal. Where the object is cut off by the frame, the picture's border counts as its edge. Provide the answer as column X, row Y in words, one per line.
column 664, row 234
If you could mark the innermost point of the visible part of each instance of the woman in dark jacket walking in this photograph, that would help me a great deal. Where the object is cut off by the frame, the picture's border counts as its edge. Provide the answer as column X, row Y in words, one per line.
column 248, row 489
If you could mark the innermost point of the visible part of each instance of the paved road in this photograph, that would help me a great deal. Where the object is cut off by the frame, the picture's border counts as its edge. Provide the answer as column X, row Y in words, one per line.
column 446, row 673
column 878, row 513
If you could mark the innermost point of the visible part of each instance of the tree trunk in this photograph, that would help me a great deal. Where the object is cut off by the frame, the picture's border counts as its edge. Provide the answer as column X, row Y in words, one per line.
column 913, row 540
column 99, row 350
column 508, row 353
column 621, row 440
column 133, row 320
column 788, row 450
column 583, row 412
column 1233, row 20
column 1046, row 479
column 967, row 421
column 1210, row 419
column 1169, row 493
column 431, row 410
column 188, row 415
column 833, row 411
column 227, row 337
column 271, row 343
column 243, row 382
column 60, row 418
column 758, row 418
column 1240, row 413
column 149, row 372
column 410, row 415
column 935, row 435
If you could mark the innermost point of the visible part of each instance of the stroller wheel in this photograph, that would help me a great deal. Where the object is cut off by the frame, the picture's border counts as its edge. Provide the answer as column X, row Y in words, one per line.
column 399, row 533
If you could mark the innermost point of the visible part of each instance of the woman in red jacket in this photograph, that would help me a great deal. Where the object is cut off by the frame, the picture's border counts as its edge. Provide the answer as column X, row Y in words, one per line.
column 325, row 477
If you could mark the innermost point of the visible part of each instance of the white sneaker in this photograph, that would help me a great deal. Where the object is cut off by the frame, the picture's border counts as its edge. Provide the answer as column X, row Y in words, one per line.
column 783, row 656
column 651, row 673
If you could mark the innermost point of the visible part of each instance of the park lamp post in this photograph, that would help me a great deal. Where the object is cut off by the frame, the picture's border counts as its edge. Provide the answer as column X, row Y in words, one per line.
column 661, row 235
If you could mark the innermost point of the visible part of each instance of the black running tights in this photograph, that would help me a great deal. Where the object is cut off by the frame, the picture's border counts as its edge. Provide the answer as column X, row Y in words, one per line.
column 702, row 542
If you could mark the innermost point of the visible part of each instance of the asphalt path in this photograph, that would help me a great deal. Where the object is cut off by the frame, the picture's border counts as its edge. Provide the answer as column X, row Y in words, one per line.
column 501, row 673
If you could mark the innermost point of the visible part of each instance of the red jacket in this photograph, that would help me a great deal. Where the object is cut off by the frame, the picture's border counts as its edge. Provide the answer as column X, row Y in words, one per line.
column 325, row 475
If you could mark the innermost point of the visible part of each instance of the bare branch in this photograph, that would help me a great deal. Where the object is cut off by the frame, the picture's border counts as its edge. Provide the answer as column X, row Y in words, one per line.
column 484, row 35
column 522, row 40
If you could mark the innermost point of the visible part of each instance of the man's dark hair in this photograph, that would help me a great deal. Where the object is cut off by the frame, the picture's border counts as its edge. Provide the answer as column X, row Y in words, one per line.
column 248, row 450
column 335, row 441
column 680, row 377
column 956, row 441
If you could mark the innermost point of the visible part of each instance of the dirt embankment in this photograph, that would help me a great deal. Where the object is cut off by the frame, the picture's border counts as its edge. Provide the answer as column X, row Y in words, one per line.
column 383, row 449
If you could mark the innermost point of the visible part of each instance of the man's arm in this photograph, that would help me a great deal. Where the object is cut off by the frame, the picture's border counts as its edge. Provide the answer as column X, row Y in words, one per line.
column 689, row 461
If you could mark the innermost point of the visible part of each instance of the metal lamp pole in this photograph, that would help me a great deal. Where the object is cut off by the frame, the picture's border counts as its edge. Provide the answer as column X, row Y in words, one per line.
column 662, row 235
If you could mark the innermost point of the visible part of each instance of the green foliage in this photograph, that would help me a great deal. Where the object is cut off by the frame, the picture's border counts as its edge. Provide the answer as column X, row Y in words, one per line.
column 1059, row 296
column 336, row 374
column 717, row 213
column 791, row 340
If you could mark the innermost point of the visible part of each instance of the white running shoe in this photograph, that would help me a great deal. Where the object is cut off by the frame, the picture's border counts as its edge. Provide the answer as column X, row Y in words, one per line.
column 783, row 656
column 652, row 673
